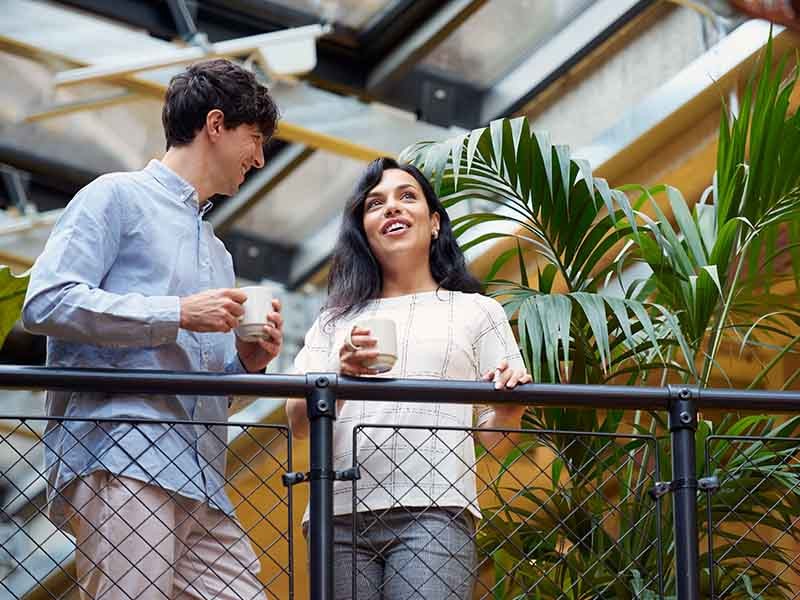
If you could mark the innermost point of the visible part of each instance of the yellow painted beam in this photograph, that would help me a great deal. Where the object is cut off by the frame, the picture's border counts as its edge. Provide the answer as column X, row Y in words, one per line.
column 67, row 108
column 56, row 584
column 17, row 263
column 10, row 427
column 291, row 132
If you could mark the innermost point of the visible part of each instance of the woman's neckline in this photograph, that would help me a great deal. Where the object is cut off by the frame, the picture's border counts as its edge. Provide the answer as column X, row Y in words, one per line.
column 442, row 293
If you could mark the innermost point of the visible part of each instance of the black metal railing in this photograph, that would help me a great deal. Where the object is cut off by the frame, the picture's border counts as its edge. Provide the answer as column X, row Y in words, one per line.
column 598, row 511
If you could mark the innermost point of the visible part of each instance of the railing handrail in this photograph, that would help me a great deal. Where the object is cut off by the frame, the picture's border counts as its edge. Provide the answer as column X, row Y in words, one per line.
column 408, row 390
column 322, row 390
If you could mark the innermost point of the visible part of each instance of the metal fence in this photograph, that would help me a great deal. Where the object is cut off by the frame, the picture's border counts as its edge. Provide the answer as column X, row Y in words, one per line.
column 558, row 514
column 753, row 516
column 134, row 542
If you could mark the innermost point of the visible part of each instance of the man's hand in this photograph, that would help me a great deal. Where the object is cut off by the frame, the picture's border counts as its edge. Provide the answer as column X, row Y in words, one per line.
column 255, row 356
column 213, row 310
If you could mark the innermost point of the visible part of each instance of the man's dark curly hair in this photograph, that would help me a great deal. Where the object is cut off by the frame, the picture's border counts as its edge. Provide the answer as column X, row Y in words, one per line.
column 215, row 84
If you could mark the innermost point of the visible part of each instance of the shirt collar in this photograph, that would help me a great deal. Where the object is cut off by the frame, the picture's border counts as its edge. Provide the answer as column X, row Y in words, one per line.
column 183, row 190
column 207, row 206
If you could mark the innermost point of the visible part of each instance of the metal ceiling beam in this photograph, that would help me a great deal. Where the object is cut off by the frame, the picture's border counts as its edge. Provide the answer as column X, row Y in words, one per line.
column 171, row 55
column 311, row 116
column 424, row 38
column 553, row 59
column 184, row 17
column 337, row 64
column 313, row 254
column 15, row 187
column 680, row 102
column 345, row 57
column 48, row 167
column 275, row 171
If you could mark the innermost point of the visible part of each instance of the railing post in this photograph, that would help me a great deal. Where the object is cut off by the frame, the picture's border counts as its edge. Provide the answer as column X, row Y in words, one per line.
column 682, row 428
column 321, row 405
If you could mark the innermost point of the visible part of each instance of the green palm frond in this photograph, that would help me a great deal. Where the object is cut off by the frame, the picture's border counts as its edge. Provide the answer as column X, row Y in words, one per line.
column 708, row 267
column 549, row 205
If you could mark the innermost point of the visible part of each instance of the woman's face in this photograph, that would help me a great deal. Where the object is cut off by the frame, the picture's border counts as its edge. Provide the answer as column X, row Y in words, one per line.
column 397, row 220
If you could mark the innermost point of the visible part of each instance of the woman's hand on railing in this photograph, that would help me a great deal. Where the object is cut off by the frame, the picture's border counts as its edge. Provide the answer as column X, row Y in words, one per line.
column 503, row 416
column 506, row 377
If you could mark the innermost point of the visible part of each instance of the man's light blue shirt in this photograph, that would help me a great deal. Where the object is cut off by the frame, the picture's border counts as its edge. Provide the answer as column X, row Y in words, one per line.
column 106, row 292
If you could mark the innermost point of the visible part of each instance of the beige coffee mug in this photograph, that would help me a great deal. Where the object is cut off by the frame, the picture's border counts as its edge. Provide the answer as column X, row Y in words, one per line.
column 385, row 331
column 256, row 307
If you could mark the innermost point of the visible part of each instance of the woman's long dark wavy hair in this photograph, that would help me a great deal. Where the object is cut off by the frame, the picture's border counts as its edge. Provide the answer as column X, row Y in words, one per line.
column 356, row 278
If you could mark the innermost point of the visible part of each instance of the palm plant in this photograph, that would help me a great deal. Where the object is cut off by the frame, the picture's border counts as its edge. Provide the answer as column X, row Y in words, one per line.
column 716, row 269
column 552, row 206
column 710, row 281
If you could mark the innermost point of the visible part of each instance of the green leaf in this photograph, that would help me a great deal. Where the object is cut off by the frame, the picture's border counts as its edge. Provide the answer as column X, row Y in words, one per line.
column 594, row 308
column 456, row 150
column 472, row 145
column 531, row 338
column 501, row 261
column 523, row 271
column 12, row 295
column 546, row 278
column 546, row 153
column 687, row 225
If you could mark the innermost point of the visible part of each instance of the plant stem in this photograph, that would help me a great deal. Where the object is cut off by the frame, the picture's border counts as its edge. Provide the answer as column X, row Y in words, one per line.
column 720, row 326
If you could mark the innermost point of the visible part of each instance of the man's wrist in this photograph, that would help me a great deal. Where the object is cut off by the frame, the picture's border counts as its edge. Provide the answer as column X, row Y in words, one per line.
column 246, row 368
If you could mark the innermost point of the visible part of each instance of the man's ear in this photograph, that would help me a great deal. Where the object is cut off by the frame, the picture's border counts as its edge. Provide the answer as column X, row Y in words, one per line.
column 215, row 122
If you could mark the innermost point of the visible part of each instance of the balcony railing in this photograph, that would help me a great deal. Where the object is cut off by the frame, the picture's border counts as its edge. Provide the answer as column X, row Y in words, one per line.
column 128, row 538
column 559, row 514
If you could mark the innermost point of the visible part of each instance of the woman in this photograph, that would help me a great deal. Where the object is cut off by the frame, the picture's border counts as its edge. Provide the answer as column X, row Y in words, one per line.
column 397, row 258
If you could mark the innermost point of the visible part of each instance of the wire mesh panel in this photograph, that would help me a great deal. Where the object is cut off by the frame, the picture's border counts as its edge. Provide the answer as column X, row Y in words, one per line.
column 753, row 517
column 520, row 514
column 157, row 509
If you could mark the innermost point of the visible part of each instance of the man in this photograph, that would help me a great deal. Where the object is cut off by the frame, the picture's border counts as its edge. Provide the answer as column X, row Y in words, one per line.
column 133, row 278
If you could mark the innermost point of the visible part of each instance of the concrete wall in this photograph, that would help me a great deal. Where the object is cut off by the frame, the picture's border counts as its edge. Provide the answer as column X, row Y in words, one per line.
column 588, row 104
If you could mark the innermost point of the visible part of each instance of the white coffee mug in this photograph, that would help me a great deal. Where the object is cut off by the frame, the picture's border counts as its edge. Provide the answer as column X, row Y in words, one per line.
column 385, row 332
column 256, row 308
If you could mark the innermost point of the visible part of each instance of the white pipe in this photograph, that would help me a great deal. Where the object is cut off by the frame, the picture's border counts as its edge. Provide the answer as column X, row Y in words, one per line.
column 236, row 47
column 22, row 224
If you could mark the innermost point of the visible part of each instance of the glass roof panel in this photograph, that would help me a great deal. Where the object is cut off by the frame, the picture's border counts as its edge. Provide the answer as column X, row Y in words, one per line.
column 352, row 13
column 501, row 35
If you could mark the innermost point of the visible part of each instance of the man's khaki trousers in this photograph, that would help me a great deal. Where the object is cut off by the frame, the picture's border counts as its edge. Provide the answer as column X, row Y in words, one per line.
column 136, row 540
